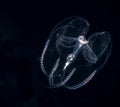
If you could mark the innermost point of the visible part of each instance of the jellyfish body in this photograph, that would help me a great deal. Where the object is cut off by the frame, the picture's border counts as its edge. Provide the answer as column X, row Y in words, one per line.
column 70, row 59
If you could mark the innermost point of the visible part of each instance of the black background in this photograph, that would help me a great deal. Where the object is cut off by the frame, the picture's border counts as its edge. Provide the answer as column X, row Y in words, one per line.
column 24, row 29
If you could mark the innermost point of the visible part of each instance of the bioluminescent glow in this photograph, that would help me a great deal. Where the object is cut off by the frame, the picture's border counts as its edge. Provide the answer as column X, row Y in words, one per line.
column 69, row 58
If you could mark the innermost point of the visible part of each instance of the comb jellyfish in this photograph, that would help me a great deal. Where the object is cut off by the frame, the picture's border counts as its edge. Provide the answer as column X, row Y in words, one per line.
column 69, row 58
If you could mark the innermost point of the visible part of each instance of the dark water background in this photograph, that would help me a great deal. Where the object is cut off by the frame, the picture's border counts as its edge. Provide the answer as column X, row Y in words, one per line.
column 24, row 30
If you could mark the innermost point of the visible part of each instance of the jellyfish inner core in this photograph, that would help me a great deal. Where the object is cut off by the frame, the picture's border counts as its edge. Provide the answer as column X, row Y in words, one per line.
column 81, row 42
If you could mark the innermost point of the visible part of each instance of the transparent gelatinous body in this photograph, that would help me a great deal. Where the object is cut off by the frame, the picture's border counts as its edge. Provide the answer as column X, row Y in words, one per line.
column 70, row 59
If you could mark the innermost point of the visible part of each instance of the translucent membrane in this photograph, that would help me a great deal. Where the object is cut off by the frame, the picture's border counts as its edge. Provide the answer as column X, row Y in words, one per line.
column 71, row 60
